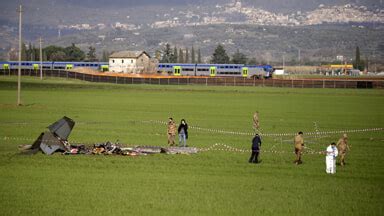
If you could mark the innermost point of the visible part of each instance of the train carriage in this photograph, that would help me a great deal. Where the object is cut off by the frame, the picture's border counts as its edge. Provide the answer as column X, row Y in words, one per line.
column 52, row 65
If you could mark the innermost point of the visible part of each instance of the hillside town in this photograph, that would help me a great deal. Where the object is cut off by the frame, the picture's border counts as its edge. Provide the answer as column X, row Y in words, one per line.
column 236, row 13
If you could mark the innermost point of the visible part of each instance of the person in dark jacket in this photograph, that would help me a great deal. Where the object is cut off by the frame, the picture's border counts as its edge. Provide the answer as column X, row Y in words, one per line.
column 256, row 144
column 183, row 133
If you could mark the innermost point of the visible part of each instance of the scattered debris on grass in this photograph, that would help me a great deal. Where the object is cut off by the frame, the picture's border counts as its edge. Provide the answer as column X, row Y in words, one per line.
column 56, row 140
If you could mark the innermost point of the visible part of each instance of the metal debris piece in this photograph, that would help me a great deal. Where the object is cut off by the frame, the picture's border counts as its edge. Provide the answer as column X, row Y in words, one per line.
column 62, row 128
column 53, row 140
column 180, row 150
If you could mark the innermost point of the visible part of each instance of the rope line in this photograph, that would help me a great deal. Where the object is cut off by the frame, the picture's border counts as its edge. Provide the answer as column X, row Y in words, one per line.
column 316, row 133
column 234, row 133
column 227, row 148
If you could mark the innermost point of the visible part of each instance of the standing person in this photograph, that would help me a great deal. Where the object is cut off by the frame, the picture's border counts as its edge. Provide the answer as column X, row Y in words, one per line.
column 171, row 132
column 183, row 133
column 256, row 124
column 299, row 145
column 256, row 144
column 330, row 159
column 343, row 147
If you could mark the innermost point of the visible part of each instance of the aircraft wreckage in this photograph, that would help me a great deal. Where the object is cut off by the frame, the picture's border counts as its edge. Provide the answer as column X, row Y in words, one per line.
column 56, row 140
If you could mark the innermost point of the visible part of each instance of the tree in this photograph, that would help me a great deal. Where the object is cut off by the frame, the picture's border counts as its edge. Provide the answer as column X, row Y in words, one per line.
column 105, row 57
column 74, row 53
column 193, row 58
column 24, row 54
column 91, row 55
column 58, row 56
column 358, row 63
column 199, row 56
column 13, row 56
column 220, row 55
column 36, row 53
column 45, row 58
column 174, row 56
column 167, row 54
column 158, row 55
column 252, row 61
column 49, row 50
column 186, row 55
column 181, row 56
column 29, row 52
column 239, row 58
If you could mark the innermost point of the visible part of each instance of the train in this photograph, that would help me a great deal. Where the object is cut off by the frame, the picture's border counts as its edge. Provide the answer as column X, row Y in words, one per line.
column 222, row 70
column 52, row 65
column 173, row 69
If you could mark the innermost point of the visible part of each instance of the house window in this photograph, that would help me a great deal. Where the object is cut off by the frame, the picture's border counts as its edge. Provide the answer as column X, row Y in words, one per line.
column 132, row 61
column 122, row 61
column 113, row 61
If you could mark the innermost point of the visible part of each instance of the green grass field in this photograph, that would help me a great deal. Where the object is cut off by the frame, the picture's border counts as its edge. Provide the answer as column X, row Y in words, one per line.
column 214, row 182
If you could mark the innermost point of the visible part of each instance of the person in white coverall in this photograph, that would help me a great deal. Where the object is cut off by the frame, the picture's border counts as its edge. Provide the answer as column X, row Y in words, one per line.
column 330, row 159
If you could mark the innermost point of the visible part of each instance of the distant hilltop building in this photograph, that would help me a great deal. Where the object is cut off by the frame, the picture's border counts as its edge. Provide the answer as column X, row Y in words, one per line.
column 237, row 4
column 130, row 62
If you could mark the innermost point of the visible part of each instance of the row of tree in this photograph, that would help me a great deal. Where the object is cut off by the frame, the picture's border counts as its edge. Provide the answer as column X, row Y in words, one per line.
column 56, row 53
column 178, row 55
column 219, row 56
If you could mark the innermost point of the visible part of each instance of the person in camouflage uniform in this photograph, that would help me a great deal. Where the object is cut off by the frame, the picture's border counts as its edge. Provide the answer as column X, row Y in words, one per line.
column 256, row 124
column 171, row 132
column 299, row 146
column 343, row 147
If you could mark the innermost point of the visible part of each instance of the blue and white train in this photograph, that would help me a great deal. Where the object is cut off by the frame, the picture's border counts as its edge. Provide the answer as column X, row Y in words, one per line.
column 222, row 70
column 51, row 65
column 175, row 69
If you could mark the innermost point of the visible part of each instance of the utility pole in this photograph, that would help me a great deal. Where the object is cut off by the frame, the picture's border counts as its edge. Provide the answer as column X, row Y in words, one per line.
column 41, row 60
column 283, row 61
column 19, row 69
